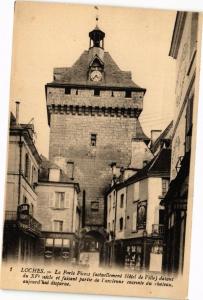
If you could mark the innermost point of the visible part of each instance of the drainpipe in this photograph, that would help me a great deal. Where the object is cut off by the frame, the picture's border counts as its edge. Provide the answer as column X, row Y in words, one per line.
column 20, row 168
column 73, row 208
column 115, row 228
column 73, row 220
column 20, row 153
column 19, row 173
column 17, row 112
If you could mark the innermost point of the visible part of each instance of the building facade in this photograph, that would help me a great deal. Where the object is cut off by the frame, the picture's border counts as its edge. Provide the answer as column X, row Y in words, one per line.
column 93, row 108
column 59, row 213
column 184, row 50
column 21, row 228
column 135, row 217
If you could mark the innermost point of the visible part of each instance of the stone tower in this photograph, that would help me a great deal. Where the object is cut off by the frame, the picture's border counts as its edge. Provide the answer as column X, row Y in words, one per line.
column 92, row 110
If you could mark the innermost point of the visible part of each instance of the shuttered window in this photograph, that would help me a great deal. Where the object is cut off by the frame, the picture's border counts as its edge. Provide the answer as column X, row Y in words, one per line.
column 59, row 200
column 134, row 219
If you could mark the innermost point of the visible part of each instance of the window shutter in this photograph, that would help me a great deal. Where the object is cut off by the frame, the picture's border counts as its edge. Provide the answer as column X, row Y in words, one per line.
column 51, row 200
column 136, row 191
column 134, row 222
column 67, row 200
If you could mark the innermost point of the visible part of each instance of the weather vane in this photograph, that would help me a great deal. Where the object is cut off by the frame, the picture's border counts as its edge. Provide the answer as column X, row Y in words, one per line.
column 97, row 15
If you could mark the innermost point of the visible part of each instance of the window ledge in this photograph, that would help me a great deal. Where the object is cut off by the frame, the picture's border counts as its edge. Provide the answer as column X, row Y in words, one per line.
column 55, row 208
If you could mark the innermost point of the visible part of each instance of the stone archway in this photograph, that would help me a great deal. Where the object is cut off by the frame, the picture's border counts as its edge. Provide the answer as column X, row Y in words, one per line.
column 92, row 247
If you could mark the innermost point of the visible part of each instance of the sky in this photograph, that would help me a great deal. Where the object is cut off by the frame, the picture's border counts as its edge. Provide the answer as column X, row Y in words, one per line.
column 48, row 35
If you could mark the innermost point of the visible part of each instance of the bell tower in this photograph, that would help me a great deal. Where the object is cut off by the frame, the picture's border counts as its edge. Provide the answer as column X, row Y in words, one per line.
column 93, row 107
column 96, row 55
column 96, row 37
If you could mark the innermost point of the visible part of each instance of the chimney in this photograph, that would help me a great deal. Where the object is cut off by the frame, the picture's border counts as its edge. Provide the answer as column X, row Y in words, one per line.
column 114, row 168
column 17, row 112
column 154, row 135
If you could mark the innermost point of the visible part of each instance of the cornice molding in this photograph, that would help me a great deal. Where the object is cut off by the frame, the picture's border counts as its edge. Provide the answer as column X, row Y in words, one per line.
column 94, row 111
column 177, row 33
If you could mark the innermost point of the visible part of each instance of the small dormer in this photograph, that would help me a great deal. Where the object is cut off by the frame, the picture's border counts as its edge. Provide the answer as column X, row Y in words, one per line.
column 54, row 174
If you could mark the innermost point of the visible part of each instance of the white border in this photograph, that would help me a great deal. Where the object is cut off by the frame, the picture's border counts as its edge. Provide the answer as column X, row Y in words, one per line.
column 6, row 26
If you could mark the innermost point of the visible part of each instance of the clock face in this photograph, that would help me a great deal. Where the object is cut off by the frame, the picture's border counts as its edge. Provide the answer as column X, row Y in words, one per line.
column 96, row 75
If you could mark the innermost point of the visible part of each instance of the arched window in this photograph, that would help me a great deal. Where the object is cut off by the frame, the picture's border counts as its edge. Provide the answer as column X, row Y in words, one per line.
column 27, row 166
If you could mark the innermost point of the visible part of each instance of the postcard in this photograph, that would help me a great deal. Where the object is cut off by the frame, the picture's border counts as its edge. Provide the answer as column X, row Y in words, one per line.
column 101, row 148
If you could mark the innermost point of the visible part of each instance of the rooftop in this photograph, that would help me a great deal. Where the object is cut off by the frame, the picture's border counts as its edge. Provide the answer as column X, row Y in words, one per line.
column 46, row 165
column 159, row 166
column 78, row 74
column 165, row 135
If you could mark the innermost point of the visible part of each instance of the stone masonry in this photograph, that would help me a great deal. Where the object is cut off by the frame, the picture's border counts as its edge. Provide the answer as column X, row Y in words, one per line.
column 76, row 113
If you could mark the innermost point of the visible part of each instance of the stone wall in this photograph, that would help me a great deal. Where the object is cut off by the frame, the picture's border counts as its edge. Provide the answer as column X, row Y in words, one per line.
column 46, row 212
column 70, row 137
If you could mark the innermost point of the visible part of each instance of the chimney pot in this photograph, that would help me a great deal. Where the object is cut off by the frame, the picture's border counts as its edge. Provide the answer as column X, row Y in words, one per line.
column 17, row 112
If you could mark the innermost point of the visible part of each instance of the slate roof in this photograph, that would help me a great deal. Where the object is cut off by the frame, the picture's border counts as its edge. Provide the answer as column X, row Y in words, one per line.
column 45, row 166
column 27, row 131
column 159, row 166
column 140, row 135
column 178, row 186
column 78, row 74
column 165, row 135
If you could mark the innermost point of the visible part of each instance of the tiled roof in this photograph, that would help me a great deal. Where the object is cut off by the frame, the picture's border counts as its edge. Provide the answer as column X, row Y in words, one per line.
column 78, row 73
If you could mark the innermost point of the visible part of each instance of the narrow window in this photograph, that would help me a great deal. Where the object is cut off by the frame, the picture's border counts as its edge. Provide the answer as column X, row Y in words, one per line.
column 31, row 209
column 112, row 94
column 70, row 169
column 121, row 224
column 27, row 166
column 96, row 92
column 128, row 94
column 67, row 91
column 122, row 201
column 24, row 200
column 34, row 177
column 93, row 139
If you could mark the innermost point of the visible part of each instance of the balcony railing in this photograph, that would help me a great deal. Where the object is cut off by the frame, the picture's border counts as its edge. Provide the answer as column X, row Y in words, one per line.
column 158, row 230
column 24, row 222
